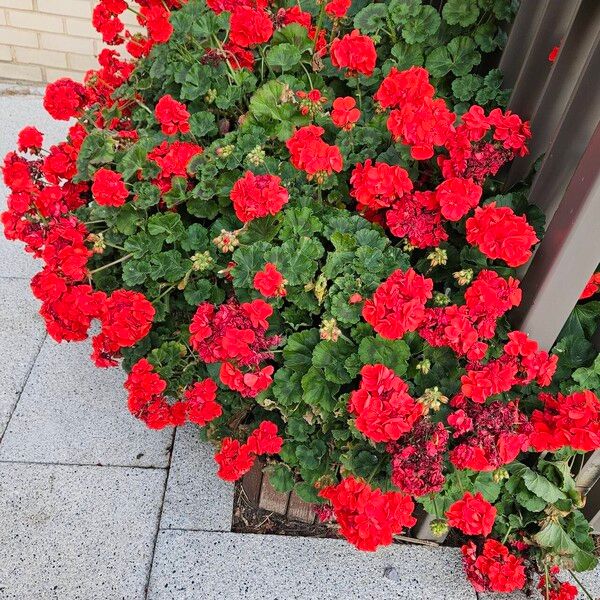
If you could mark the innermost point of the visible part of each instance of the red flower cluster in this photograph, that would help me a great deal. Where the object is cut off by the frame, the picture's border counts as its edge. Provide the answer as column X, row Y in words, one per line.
column 108, row 188
column 173, row 160
column 146, row 400
column 368, row 517
column 172, row 115
column 416, row 119
column 256, row 196
column 591, row 287
column 337, row 9
column 270, row 282
column 456, row 197
column 398, row 304
column 473, row 515
column 494, row 568
column 354, row 52
column 65, row 99
column 236, row 459
column 30, row 139
column 235, row 334
column 249, row 27
column 488, row 435
column 500, row 234
column 384, row 410
column 311, row 154
column 345, row 114
column 572, row 420
column 126, row 319
column 202, row 407
column 379, row 185
column 556, row 589
column 418, row 459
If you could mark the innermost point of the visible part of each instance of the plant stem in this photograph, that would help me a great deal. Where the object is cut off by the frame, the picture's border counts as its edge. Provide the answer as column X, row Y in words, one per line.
column 112, row 264
column 581, row 585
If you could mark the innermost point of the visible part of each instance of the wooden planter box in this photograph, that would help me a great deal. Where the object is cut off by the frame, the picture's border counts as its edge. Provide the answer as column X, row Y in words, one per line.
column 261, row 494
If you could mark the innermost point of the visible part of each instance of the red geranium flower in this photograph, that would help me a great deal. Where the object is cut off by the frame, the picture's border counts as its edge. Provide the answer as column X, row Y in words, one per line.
column 368, row 517
column 255, row 196
column 249, row 27
column 64, row 99
column 473, row 515
column 172, row 115
column 234, row 459
column 354, row 52
column 108, row 188
column 270, row 282
column 156, row 18
column 30, row 138
column 201, row 404
column 337, row 9
column 398, row 304
column 379, row 185
column 345, row 114
column 457, row 196
column 311, row 154
column 384, row 410
column 500, row 234
column 264, row 439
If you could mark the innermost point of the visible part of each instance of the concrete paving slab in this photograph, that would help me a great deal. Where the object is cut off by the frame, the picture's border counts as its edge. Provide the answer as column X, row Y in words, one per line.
column 72, row 412
column 195, row 498
column 77, row 533
column 18, row 109
column 218, row 566
column 21, row 335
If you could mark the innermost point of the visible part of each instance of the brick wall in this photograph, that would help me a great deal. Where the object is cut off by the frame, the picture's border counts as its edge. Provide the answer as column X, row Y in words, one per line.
column 42, row 40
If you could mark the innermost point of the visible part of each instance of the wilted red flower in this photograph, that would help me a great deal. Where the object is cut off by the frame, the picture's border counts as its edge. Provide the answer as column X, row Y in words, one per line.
column 472, row 514
column 501, row 234
column 249, row 27
column 64, row 99
column 354, row 52
column 345, row 114
column 270, row 282
column 172, row 116
column 368, row 517
column 383, row 407
column 256, row 196
column 108, row 188
column 398, row 304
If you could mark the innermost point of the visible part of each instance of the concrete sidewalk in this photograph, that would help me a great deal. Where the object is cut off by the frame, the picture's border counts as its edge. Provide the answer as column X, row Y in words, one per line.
column 93, row 506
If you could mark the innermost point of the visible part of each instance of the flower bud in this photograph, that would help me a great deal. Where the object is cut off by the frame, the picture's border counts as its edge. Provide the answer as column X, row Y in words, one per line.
column 320, row 289
column 440, row 299
column 437, row 257
column 500, row 474
column 256, row 156
column 432, row 399
column 227, row 241
column 424, row 366
column 225, row 151
column 329, row 330
column 439, row 527
column 463, row 277
column 210, row 96
column 202, row 261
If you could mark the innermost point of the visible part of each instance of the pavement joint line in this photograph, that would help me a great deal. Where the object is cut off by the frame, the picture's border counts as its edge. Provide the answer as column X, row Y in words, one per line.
column 18, row 277
column 26, row 380
column 160, row 512
column 64, row 464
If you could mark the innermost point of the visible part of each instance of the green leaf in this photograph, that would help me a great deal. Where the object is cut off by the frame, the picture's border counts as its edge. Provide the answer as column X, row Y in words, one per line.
column 589, row 378
column 135, row 272
column 393, row 354
column 537, row 483
column 463, row 54
column 407, row 55
column 460, row 12
column 169, row 266
column 203, row 124
column 280, row 477
column 197, row 291
column 296, row 259
column 295, row 35
column 465, row 88
column 299, row 350
column 310, row 457
column 168, row 225
column 422, row 26
column 97, row 149
column 248, row 261
column 371, row 19
column 330, row 357
column 402, row 11
column 307, row 492
column 142, row 243
column 318, row 392
column 283, row 56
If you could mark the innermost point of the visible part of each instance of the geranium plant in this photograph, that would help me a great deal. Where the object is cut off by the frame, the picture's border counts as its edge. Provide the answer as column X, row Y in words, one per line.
column 286, row 220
